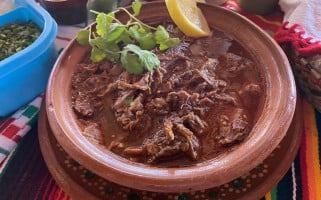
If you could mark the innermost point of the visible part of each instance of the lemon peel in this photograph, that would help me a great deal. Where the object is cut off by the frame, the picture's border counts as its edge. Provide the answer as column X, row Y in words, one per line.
column 188, row 17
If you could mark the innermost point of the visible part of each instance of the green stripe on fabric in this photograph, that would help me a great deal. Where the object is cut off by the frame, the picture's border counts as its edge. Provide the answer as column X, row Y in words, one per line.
column 14, row 152
column 4, row 151
column 274, row 192
column 33, row 120
column 30, row 111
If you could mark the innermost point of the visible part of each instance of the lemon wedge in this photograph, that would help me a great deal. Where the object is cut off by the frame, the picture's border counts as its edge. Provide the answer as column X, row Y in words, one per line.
column 188, row 17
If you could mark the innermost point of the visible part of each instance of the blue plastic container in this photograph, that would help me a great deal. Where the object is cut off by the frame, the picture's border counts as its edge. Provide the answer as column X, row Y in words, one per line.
column 24, row 75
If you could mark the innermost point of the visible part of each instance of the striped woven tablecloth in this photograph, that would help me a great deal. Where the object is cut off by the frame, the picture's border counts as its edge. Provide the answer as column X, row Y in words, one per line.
column 24, row 175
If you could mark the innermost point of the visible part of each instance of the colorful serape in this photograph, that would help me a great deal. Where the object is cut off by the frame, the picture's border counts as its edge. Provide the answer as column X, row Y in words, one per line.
column 27, row 177
column 303, row 180
column 12, row 129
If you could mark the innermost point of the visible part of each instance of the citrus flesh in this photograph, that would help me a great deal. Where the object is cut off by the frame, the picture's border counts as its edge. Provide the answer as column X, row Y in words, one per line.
column 188, row 17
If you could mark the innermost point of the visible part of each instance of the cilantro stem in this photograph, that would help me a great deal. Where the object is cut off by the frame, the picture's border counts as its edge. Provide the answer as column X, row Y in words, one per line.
column 129, row 43
column 95, row 12
column 129, row 23
column 133, row 17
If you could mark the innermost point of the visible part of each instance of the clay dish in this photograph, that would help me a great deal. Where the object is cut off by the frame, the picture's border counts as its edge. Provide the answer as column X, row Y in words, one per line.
column 271, row 126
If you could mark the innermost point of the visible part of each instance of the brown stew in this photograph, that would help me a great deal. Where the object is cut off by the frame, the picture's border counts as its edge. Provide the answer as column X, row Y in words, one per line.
column 198, row 104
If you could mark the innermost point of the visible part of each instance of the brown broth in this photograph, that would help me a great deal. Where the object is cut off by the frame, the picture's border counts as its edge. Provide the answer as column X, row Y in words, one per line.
column 210, row 147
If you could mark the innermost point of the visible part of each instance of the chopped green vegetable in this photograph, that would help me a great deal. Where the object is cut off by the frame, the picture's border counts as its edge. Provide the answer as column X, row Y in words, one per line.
column 15, row 37
column 128, row 42
column 128, row 101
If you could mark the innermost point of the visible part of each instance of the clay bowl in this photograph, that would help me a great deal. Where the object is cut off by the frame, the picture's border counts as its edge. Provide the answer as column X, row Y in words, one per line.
column 271, row 126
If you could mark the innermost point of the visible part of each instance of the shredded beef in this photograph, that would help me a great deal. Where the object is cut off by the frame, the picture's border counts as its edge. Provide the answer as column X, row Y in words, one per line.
column 199, row 90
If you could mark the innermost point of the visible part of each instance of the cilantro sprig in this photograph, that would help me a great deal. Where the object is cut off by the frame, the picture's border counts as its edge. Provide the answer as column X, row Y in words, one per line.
column 128, row 43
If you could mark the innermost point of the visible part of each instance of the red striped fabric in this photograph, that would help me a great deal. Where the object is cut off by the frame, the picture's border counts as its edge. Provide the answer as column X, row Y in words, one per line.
column 5, row 123
column 309, row 156
column 11, row 131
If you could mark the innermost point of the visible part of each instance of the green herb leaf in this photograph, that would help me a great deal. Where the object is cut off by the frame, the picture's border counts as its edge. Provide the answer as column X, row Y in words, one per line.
column 170, row 42
column 97, row 55
column 116, row 41
column 103, row 22
column 131, row 63
column 82, row 37
column 98, row 42
column 145, row 39
column 163, row 39
column 111, row 50
column 114, row 33
column 128, row 100
column 161, row 34
column 147, row 42
column 136, row 5
column 148, row 59
column 125, row 38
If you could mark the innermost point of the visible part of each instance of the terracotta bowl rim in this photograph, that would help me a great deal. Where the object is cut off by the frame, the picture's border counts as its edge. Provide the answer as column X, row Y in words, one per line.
column 269, row 131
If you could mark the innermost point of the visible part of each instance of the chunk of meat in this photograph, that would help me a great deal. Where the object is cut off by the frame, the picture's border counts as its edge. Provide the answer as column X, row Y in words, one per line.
column 207, row 72
column 143, row 83
column 158, row 77
column 210, row 46
column 159, row 147
column 120, row 102
column 249, row 92
column 178, row 49
column 191, row 139
column 168, row 128
column 137, row 103
column 195, row 123
column 182, row 79
column 93, row 133
column 226, row 98
column 234, row 64
column 165, row 145
column 177, row 99
column 85, row 85
column 158, row 106
column 83, row 105
column 233, row 128
column 252, row 89
column 117, row 143
column 134, row 151
column 129, row 114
